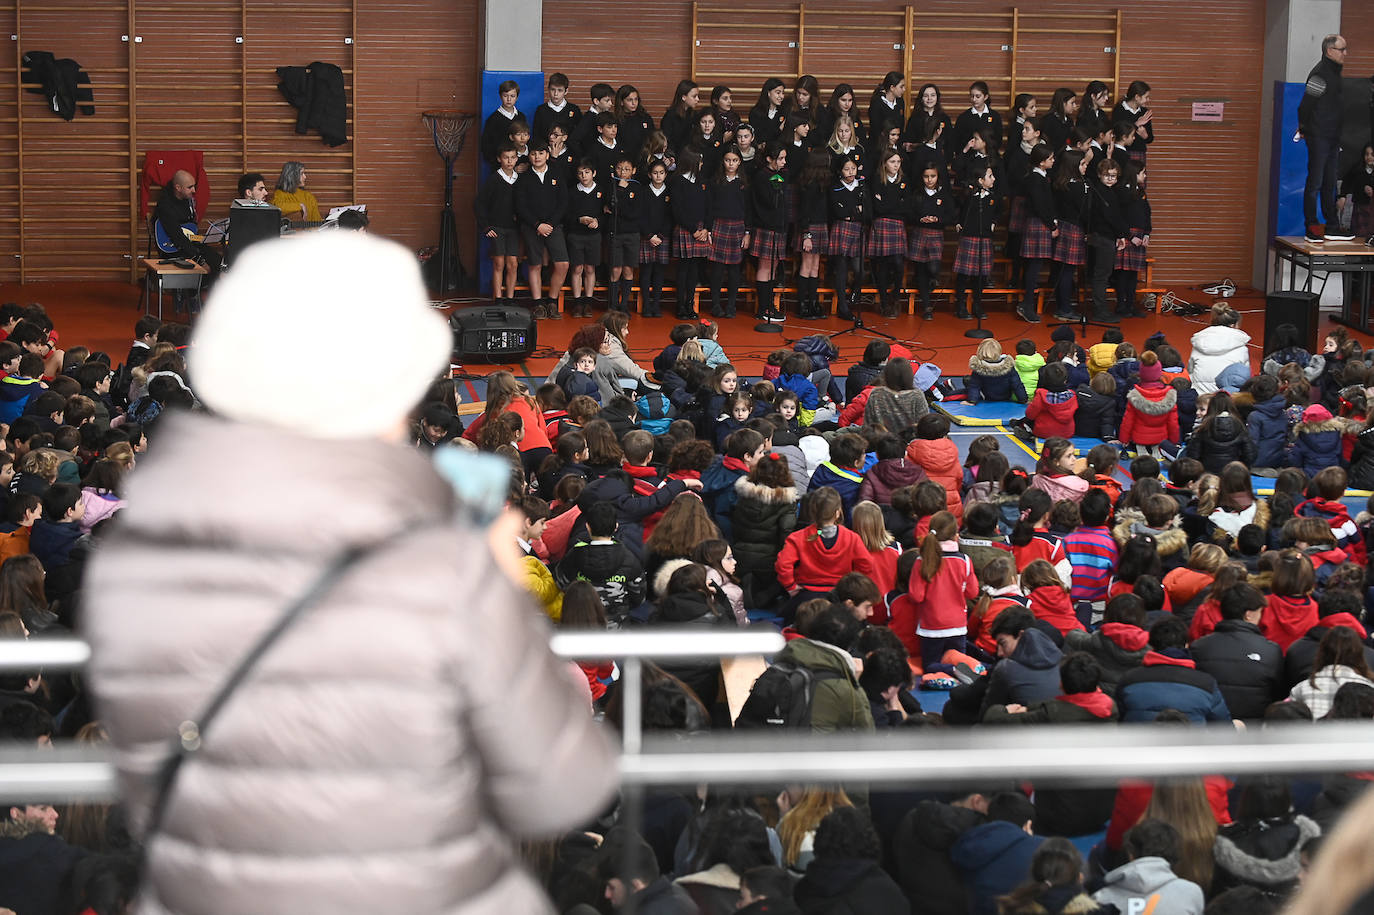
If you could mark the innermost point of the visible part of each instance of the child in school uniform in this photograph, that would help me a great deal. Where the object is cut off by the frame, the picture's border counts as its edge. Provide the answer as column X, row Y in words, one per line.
column 728, row 203
column 586, row 203
column 886, row 107
column 635, row 123
column 927, row 109
column 1132, row 108
column 891, row 200
column 1131, row 258
column 768, row 229
column 925, row 246
column 848, row 209
column 496, row 128
column 767, row 115
column 691, row 232
column 843, row 146
column 677, row 121
column 605, row 151
column 518, row 133
column 1358, row 185
column 809, row 239
column 579, row 381
column 978, row 118
column 625, row 204
column 727, row 118
column 1072, row 207
column 973, row 261
column 1108, row 236
column 1022, row 137
column 556, row 109
column 584, row 135
column 1058, row 126
column 707, row 144
column 495, row 206
column 541, row 205
column 655, row 233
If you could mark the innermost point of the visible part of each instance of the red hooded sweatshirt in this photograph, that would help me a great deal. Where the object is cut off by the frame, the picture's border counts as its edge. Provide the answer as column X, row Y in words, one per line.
column 1344, row 619
column 1052, row 414
column 941, row 604
column 1096, row 702
column 806, row 563
column 939, row 458
column 1125, row 636
column 1205, row 619
column 980, row 628
column 1287, row 619
column 1052, row 604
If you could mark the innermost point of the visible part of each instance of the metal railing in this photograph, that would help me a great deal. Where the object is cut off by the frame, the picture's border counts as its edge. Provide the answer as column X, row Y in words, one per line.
column 1043, row 754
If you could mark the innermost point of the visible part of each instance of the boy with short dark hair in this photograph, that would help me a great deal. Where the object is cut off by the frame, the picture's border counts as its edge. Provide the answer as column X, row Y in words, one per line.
column 625, row 205
column 844, row 470
column 1329, row 486
column 21, row 385
column 605, row 152
column 608, row 565
column 580, row 381
column 495, row 129
column 556, row 109
column 518, row 135
column 47, row 408
column 586, row 203
column 495, row 206
column 541, row 205
column 55, row 534
column 584, row 134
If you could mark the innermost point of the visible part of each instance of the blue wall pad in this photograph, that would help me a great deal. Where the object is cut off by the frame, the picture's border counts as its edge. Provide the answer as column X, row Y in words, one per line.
column 531, row 97
column 1288, row 168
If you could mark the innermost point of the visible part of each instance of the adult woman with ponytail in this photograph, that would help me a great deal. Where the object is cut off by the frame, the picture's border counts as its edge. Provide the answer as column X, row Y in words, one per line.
column 942, row 583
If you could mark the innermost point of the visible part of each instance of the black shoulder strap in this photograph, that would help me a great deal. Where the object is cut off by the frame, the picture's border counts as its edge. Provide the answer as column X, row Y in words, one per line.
column 191, row 731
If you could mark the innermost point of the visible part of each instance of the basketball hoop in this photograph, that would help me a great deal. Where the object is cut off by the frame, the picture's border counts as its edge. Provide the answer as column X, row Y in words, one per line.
column 449, row 129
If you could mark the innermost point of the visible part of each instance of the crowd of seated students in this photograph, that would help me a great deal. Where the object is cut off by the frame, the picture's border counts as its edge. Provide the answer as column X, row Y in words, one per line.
column 1146, row 582
column 1143, row 581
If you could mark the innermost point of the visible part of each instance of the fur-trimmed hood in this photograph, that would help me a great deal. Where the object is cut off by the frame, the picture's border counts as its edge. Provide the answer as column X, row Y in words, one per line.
column 1265, row 871
column 1002, row 366
column 1129, row 522
column 721, row 876
column 18, row 829
column 1334, row 424
column 665, row 572
column 768, row 494
column 1148, row 403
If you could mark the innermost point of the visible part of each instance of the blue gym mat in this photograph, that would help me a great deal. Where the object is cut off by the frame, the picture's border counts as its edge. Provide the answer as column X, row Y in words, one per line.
column 987, row 413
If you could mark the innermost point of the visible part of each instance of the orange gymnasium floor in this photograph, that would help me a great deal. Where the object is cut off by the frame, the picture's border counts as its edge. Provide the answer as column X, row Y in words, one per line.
column 102, row 315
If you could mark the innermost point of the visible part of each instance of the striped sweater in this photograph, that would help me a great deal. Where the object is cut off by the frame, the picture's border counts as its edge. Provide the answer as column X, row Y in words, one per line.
column 1093, row 554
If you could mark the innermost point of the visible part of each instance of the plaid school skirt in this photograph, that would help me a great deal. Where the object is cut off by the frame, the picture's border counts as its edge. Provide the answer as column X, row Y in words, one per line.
column 1137, row 157
column 684, row 245
column 648, row 254
column 1016, row 222
column 846, row 239
column 925, row 244
column 818, row 235
column 1070, row 247
column 887, row 237
column 726, row 237
column 768, row 245
column 1362, row 220
column 974, row 257
column 1036, row 241
column 1131, row 257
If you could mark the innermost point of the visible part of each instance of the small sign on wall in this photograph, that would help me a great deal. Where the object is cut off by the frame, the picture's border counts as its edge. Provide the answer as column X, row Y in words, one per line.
column 1209, row 111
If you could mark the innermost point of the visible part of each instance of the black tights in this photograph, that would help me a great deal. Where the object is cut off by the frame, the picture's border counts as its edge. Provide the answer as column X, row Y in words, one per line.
column 651, row 283
column 888, row 274
column 927, row 276
column 688, row 269
column 840, row 278
column 1125, row 283
column 974, row 283
column 1063, row 293
column 724, row 276
column 1032, row 283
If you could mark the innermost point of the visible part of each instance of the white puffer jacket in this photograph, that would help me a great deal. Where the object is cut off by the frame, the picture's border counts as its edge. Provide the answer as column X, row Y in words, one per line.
column 1215, row 348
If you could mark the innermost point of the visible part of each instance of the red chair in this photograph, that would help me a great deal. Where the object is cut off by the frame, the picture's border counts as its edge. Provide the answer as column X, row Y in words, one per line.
column 159, row 165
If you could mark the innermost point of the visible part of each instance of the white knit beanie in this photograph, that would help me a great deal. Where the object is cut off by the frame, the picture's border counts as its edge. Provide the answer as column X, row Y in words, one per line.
column 292, row 334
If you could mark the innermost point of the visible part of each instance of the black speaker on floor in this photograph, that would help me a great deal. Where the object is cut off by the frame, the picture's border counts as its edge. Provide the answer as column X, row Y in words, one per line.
column 494, row 333
column 249, row 225
column 1292, row 307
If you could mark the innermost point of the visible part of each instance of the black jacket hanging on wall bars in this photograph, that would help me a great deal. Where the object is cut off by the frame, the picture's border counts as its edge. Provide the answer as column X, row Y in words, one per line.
column 317, row 93
column 62, row 80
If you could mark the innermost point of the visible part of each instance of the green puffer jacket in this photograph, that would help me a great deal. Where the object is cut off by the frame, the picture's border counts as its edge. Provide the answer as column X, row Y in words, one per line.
column 839, row 703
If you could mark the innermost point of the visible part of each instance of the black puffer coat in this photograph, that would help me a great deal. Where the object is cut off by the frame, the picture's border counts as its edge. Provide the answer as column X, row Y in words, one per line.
column 762, row 518
column 1248, row 667
column 848, row 886
column 1219, row 442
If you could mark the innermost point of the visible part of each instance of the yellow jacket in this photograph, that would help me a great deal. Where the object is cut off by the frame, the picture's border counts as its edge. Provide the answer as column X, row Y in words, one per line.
column 1101, row 356
column 290, row 204
column 539, row 582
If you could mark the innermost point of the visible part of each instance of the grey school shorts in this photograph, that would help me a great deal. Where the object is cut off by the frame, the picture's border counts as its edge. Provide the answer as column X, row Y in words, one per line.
column 584, row 249
column 624, row 249
column 536, row 245
column 505, row 244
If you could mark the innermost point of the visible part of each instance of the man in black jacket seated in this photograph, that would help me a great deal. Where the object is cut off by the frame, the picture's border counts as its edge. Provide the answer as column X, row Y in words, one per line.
column 176, row 207
column 1248, row 667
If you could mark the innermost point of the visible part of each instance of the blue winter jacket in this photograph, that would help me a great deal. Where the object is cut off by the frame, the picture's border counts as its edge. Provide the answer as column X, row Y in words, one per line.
column 1269, row 431
column 1318, row 445
column 1161, row 683
column 994, row 859
column 807, row 394
column 996, row 381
